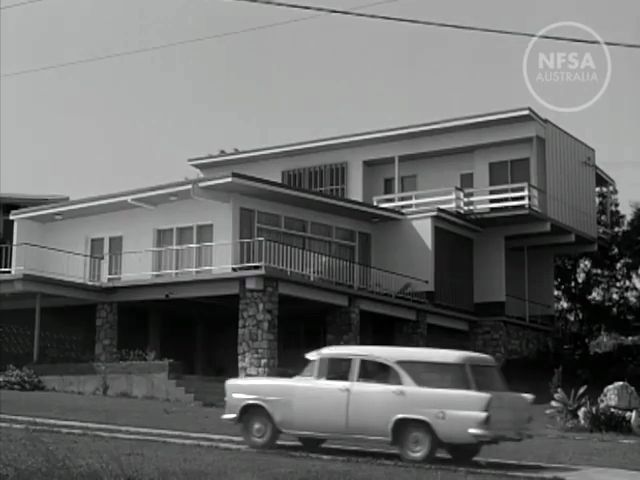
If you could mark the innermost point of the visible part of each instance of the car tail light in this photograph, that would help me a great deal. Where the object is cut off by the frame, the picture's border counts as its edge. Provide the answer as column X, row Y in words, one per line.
column 486, row 420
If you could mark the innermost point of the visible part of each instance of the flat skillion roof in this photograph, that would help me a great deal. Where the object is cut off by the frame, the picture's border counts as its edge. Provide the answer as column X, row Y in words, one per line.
column 388, row 134
column 152, row 197
column 407, row 354
column 29, row 200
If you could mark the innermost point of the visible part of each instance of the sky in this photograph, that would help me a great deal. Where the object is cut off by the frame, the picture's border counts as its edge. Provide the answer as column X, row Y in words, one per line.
column 133, row 121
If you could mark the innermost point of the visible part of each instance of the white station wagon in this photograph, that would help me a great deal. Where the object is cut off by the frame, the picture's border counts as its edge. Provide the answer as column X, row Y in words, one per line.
column 418, row 399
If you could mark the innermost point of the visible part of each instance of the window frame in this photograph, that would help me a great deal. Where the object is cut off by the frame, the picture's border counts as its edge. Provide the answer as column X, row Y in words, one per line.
column 394, row 368
column 326, row 359
column 470, row 385
column 106, row 238
column 173, row 249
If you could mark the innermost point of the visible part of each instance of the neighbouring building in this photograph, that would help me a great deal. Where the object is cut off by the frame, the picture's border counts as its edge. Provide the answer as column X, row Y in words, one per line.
column 441, row 234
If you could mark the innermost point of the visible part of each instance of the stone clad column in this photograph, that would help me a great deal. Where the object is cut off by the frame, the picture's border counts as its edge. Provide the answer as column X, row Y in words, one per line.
column 343, row 325
column 258, row 327
column 106, row 349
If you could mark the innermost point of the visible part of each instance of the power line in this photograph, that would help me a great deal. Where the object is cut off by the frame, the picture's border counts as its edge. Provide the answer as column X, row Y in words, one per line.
column 430, row 23
column 137, row 51
column 20, row 4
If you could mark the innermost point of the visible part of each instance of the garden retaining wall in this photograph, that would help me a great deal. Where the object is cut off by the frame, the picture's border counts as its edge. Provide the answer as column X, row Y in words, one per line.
column 121, row 379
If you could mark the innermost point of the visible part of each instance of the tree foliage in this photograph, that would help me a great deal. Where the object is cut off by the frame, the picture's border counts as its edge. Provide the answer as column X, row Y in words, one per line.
column 599, row 291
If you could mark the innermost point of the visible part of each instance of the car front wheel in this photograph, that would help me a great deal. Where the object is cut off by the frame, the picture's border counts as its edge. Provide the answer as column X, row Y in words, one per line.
column 417, row 442
column 463, row 453
column 258, row 429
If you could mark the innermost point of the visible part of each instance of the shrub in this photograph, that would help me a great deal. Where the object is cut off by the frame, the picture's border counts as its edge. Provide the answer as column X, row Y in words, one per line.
column 15, row 379
column 605, row 419
column 565, row 408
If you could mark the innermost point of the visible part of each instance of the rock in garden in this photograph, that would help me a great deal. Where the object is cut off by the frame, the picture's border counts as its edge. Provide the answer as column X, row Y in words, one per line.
column 619, row 395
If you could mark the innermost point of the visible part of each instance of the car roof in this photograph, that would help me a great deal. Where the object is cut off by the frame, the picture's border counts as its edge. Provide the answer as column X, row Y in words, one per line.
column 407, row 354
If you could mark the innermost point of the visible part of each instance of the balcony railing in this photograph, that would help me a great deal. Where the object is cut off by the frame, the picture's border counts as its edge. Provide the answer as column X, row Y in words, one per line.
column 466, row 201
column 529, row 311
column 197, row 260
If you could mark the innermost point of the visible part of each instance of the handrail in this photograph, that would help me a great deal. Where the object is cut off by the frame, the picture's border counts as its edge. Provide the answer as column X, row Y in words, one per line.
column 56, row 249
column 529, row 301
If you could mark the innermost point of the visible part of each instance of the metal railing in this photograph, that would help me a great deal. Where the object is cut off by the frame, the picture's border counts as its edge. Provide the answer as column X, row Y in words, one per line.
column 196, row 260
column 469, row 200
column 325, row 268
column 46, row 261
column 529, row 311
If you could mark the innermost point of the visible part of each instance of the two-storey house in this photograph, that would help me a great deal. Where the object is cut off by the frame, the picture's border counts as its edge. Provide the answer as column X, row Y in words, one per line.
column 441, row 234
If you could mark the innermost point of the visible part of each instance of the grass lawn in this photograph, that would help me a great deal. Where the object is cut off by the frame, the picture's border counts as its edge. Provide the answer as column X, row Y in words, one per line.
column 33, row 456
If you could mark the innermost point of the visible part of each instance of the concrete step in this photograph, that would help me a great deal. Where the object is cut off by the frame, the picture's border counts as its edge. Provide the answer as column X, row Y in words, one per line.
column 208, row 391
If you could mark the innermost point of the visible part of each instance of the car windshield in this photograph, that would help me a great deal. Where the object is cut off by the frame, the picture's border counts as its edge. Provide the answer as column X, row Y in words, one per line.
column 309, row 369
column 488, row 378
column 437, row 375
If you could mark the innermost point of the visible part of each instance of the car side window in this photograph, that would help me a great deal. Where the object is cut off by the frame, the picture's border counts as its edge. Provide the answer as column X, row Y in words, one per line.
column 334, row 369
column 377, row 372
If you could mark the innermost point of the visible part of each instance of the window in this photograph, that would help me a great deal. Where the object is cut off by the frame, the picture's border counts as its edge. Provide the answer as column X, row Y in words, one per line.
column 96, row 255
column 509, row 171
column 330, row 179
column 466, row 180
column 204, row 251
column 488, row 378
column 321, row 230
column 183, row 250
column 376, row 372
column 335, row 369
column 437, row 375
column 389, row 186
column 113, row 246
column 269, row 219
column 345, row 234
column 308, row 370
column 295, row 224
column 408, row 183
column 115, row 258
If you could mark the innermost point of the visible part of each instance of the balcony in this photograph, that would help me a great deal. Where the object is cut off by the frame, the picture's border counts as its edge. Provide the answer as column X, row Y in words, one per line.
column 199, row 260
column 470, row 201
column 529, row 311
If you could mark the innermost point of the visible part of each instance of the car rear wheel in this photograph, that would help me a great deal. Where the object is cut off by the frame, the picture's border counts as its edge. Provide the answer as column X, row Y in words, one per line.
column 311, row 443
column 417, row 442
column 258, row 429
column 464, row 453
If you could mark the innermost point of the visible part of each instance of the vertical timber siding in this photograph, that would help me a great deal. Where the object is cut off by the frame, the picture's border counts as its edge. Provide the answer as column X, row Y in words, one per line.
column 571, row 181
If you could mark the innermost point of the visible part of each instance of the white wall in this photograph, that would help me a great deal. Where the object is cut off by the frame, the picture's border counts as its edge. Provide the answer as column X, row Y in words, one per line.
column 406, row 246
column 355, row 156
column 136, row 226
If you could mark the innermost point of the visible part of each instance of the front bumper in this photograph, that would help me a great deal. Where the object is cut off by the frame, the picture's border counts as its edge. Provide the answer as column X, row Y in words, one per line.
column 488, row 436
column 229, row 417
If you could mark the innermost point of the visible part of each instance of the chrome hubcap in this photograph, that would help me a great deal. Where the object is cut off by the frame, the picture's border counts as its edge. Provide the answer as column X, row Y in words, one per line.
column 258, row 429
column 418, row 443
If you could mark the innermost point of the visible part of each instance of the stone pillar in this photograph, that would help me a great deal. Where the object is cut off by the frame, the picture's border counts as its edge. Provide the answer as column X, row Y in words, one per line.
column 258, row 327
column 412, row 333
column 106, row 332
column 343, row 325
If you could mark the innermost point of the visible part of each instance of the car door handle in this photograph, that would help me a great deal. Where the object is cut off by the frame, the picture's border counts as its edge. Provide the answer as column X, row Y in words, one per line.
column 398, row 391
column 343, row 389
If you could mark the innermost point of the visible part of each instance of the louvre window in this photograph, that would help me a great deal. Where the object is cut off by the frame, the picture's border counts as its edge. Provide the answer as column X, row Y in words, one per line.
column 330, row 179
